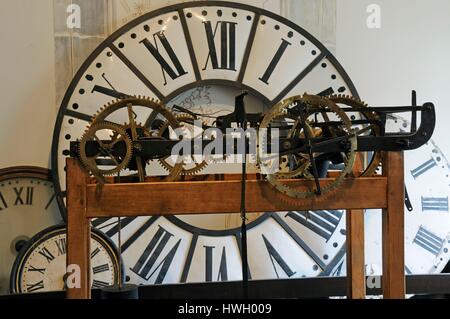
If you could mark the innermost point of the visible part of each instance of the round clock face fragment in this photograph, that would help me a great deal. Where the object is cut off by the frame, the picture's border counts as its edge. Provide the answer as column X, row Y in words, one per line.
column 200, row 55
column 427, row 222
column 27, row 205
column 41, row 266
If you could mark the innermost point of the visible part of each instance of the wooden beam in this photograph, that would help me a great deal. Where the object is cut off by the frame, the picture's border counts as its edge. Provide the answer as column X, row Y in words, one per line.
column 78, row 230
column 212, row 197
column 393, row 227
column 356, row 280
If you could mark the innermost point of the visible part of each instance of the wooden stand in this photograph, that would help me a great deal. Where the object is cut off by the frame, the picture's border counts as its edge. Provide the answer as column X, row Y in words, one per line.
column 159, row 198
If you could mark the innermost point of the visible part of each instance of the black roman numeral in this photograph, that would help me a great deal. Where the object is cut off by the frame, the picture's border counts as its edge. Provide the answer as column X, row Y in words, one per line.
column 29, row 196
column 428, row 241
column 138, row 233
column 47, row 254
column 435, row 204
column 147, row 261
column 322, row 222
column 101, row 268
column 3, row 204
column 408, row 271
column 101, row 223
column 326, row 92
column 109, row 92
column 227, row 45
column 95, row 252
column 275, row 60
column 276, row 257
column 338, row 271
column 34, row 287
column 166, row 68
column 61, row 244
column 223, row 271
column 39, row 270
column 422, row 169
column 97, row 284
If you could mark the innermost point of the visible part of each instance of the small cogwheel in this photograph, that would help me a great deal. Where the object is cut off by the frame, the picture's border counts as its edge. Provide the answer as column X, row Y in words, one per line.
column 115, row 152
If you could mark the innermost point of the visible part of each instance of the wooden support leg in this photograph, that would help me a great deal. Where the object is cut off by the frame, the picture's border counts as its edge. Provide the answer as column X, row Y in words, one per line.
column 356, row 281
column 393, row 228
column 78, row 231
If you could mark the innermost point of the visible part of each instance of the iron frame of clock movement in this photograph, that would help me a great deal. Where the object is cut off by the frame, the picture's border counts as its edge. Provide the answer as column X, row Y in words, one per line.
column 157, row 148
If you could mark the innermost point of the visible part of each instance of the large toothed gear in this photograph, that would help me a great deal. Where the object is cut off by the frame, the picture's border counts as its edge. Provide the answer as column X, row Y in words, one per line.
column 166, row 163
column 117, row 135
column 281, row 110
column 157, row 109
column 302, row 163
column 376, row 157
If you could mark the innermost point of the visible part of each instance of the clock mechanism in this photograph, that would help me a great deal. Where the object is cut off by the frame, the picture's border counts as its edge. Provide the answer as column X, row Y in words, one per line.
column 186, row 63
column 315, row 132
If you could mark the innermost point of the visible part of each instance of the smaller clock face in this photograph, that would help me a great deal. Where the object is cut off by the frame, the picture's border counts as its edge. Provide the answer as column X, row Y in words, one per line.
column 27, row 205
column 41, row 267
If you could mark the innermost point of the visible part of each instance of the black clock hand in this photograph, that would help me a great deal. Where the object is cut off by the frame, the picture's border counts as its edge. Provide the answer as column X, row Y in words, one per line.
column 408, row 201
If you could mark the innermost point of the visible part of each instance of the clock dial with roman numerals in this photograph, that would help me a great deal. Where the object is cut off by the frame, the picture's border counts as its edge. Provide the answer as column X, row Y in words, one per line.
column 427, row 219
column 200, row 55
column 164, row 250
column 41, row 265
column 27, row 205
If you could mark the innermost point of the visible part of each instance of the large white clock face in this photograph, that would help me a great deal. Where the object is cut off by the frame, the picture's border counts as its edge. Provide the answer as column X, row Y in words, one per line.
column 27, row 205
column 427, row 220
column 41, row 266
column 173, row 55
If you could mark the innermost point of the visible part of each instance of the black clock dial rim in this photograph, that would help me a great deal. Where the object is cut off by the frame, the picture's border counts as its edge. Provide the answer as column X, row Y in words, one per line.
column 44, row 235
column 216, row 233
column 178, row 7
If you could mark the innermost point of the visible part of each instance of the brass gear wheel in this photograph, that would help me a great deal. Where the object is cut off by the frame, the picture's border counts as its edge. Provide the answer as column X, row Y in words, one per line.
column 144, row 102
column 117, row 135
column 320, row 103
column 354, row 102
column 198, row 167
column 302, row 164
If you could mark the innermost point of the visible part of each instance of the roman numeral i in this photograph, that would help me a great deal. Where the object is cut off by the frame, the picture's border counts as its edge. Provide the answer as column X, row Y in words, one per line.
column 223, row 271
column 275, row 61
